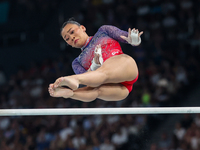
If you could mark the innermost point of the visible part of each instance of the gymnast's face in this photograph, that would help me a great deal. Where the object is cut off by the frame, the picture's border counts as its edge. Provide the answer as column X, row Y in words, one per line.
column 74, row 35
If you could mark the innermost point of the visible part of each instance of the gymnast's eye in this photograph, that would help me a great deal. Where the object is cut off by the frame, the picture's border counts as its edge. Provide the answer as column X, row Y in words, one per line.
column 67, row 39
column 72, row 31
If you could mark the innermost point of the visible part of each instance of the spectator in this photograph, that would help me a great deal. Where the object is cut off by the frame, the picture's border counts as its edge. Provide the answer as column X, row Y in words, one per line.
column 120, row 137
column 179, row 133
column 107, row 145
column 197, row 120
column 164, row 142
column 78, row 140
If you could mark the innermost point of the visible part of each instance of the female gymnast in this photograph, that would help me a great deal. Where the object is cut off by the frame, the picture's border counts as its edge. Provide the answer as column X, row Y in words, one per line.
column 102, row 66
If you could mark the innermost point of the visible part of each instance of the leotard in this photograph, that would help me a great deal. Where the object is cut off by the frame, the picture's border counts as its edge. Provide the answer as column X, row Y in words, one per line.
column 109, row 38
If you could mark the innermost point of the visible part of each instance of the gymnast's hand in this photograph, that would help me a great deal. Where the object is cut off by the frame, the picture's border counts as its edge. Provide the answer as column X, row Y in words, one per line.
column 98, row 59
column 98, row 55
column 133, row 37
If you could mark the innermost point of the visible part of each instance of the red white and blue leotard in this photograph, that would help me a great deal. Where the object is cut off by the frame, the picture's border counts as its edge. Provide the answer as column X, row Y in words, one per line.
column 109, row 38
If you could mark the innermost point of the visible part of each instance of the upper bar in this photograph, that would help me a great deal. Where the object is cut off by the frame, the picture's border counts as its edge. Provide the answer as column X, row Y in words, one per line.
column 99, row 111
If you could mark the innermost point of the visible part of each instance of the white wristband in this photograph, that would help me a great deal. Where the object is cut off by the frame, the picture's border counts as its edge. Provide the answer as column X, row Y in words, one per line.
column 94, row 66
column 135, row 40
column 136, row 43
column 100, row 55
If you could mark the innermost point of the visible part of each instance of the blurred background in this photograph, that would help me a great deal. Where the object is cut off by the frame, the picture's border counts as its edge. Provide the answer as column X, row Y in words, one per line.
column 33, row 54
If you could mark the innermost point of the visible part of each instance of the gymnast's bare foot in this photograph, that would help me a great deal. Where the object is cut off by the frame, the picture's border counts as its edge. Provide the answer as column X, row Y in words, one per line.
column 69, row 81
column 60, row 91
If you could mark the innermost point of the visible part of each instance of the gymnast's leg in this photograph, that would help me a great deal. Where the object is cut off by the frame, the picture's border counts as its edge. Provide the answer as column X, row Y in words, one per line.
column 116, row 69
column 107, row 92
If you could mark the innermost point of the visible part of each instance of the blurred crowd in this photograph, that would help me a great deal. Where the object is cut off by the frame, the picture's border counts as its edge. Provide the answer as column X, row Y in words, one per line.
column 185, row 135
column 24, row 15
column 168, row 62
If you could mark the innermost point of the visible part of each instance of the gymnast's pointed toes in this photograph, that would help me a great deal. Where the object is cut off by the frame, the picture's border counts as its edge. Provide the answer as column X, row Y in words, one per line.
column 57, row 82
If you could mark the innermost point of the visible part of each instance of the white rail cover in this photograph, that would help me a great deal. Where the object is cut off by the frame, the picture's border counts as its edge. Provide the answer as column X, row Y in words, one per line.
column 99, row 111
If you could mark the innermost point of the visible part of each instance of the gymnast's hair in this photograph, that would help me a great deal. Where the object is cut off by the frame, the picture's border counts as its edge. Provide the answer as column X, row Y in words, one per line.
column 69, row 21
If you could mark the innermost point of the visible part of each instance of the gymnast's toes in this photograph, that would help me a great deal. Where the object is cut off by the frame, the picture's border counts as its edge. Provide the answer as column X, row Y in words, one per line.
column 58, row 81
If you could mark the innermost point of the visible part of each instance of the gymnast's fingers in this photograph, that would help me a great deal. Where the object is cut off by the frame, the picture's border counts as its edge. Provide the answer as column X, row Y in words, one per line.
column 96, row 58
column 140, row 33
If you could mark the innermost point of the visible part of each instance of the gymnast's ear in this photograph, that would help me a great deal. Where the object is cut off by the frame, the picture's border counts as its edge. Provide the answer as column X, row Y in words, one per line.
column 83, row 27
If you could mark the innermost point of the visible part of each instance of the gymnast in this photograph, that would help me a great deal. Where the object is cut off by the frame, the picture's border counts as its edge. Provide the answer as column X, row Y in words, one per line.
column 103, row 68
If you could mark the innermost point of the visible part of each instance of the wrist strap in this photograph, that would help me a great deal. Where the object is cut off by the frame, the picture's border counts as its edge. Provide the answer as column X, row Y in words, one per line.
column 138, row 43
column 94, row 66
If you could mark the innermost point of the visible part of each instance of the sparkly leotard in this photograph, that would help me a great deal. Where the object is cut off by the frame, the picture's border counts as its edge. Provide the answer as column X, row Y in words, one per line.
column 109, row 38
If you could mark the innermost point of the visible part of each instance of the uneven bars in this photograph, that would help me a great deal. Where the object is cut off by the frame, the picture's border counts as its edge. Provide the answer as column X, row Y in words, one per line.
column 99, row 111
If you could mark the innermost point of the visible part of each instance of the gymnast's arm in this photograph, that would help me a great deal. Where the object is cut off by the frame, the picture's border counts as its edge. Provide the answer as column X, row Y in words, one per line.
column 132, row 37
column 77, row 67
